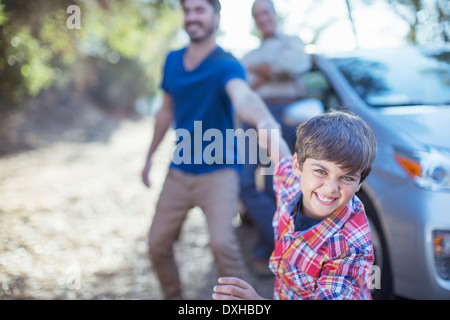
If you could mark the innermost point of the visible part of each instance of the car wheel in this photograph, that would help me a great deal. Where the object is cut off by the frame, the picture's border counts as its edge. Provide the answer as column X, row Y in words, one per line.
column 383, row 289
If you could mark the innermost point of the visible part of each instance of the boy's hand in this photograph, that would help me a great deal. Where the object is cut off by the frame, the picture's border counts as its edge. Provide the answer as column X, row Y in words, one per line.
column 234, row 289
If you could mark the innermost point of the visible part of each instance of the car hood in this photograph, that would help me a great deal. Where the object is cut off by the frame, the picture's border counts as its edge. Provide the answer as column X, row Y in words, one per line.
column 428, row 124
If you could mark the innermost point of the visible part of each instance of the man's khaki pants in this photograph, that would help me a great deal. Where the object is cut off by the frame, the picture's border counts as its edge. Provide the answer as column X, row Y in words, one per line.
column 216, row 194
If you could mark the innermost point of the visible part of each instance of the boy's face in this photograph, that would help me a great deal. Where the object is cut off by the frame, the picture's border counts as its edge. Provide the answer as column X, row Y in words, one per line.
column 325, row 187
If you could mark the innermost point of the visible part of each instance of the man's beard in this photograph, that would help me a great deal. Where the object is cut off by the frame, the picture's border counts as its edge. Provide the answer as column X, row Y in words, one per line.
column 208, row 32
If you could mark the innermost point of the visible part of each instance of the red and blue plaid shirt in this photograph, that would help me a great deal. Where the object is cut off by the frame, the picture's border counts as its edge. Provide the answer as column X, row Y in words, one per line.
column 330, row 260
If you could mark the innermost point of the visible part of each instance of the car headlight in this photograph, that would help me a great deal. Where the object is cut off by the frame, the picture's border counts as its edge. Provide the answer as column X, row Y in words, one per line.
column 428, row 169
column 441, row 246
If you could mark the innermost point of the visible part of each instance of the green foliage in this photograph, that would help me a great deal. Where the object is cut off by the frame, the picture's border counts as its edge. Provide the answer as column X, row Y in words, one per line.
column 3, row 16
column 116, row 55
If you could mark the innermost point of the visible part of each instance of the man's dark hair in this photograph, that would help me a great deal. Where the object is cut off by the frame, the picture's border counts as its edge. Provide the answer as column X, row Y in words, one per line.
column 214, row 3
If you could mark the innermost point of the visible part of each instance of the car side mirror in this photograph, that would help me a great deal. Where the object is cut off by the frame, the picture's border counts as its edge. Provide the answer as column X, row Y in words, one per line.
column 302, row 110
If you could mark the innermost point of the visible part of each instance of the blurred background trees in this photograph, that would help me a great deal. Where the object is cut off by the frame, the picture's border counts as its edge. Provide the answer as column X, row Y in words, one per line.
column 427, row 21
column 115, row 57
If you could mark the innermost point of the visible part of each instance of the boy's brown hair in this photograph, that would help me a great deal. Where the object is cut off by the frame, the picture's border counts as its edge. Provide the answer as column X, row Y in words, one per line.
column 340, row 137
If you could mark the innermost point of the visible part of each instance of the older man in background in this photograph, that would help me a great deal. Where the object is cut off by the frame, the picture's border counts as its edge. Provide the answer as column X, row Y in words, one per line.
column 275, row 71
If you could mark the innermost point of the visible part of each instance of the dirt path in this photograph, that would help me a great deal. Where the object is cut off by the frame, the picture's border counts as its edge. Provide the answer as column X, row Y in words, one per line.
column 74, row 219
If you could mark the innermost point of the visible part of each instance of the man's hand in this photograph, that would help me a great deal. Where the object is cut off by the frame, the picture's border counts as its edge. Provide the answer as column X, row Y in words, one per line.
column 145, row 173
column 234, row 289
column 262, row 74
column 263, row 70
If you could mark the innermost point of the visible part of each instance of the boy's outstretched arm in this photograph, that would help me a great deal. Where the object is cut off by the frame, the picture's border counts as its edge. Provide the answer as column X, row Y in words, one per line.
column 230, row 288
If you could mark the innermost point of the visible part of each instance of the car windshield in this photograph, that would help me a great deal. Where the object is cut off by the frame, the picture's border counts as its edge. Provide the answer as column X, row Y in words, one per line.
column 399, row 78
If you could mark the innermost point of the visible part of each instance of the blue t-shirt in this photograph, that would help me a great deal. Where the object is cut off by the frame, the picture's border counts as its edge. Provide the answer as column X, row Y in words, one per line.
column 202, row 111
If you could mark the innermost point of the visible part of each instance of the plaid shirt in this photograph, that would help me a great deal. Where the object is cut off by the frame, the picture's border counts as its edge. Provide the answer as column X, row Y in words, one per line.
column 331, row 260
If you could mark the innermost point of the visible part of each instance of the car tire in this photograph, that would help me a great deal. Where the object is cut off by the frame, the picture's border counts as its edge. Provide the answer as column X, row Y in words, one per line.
column 385, row 291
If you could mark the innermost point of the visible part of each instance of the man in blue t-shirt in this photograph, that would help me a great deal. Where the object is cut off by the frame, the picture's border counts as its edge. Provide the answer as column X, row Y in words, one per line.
column 201, row 103
column 203, row 86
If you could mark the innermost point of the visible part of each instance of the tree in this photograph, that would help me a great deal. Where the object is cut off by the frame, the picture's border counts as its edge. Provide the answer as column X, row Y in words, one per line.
column 427, row 19
column 352, row 22
column 115, row 54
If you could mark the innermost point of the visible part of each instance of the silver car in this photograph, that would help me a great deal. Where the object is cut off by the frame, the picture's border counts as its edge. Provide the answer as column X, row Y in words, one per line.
column 404, row 95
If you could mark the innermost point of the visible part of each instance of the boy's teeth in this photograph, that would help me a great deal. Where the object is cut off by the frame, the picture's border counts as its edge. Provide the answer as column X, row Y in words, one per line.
column 324, row 198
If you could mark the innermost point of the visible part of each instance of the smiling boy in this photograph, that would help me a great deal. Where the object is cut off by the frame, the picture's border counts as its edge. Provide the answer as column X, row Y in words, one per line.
column 323, row 247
